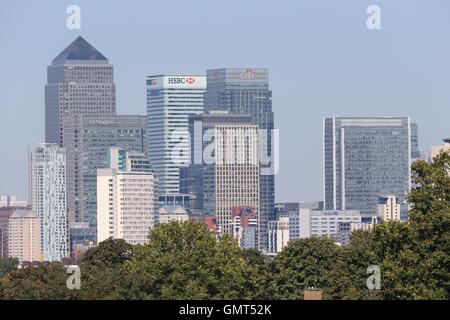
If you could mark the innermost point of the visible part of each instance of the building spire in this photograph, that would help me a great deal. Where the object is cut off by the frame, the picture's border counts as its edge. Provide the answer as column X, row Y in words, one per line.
column 79, row 49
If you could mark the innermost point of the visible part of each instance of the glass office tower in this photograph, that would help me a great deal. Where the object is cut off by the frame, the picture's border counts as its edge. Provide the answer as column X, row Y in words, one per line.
column 171, row 99
column 79, row 82
column 363, row 159
column 87, row 140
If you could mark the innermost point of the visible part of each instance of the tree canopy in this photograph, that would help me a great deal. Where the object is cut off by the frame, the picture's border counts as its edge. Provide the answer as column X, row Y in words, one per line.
column 186, row 261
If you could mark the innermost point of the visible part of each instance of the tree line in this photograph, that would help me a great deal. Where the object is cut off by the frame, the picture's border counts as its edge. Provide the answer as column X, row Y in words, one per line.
column 186, row 261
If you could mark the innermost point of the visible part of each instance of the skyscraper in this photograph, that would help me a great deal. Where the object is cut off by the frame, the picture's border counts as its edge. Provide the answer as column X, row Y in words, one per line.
column 87, row 140
column 171, row 99
column 246, row 91
column 227, row 175
column 365, row 158
column 48, row 198
column 79, row 82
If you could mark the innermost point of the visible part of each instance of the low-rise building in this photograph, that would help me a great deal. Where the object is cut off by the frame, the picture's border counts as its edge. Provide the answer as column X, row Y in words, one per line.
column 345, row 230
column 307, row 223
column 169, row 213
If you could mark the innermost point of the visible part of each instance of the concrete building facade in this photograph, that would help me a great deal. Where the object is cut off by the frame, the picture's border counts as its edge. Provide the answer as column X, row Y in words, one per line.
column 25, row 236
column 389, row 209
column 125, row 205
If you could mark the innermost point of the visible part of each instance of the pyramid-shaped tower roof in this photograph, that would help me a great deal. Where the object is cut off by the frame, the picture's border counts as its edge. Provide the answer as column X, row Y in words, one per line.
column 79, row 49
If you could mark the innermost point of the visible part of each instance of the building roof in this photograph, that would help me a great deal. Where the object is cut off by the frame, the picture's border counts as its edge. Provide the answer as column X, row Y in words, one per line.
column 79, row 49
column 172, row 209
column 22, row 214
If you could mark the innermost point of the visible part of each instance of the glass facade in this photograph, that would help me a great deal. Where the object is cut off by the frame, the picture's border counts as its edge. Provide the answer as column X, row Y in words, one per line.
column 171, row 99
column 80, row 82
column 365, row 158
column 88, row 140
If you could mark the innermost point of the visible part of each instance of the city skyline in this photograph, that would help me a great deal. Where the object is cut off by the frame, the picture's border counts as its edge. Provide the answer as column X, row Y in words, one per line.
column 234, row 151
column 419, row 88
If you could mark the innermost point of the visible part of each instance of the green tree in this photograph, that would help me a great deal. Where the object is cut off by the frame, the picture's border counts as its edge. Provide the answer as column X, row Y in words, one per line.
column 348, row 277
column 186, row 261
column 430, row 221
column 415, row 256
column 102, row 270
column 260, row 264
column 8, row 265
column 46, row 282
column 303, row 263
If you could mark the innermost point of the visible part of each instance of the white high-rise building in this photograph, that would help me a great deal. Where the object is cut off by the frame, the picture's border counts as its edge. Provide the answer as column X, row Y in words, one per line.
column 125, row 205
column 48, row 198
column 171, row 99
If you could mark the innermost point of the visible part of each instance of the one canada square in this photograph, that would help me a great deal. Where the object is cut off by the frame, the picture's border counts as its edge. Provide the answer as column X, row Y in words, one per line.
column 79, row 83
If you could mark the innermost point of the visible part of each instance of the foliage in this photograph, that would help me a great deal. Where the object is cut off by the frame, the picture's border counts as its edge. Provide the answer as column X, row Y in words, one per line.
column 186, row 261
column 102, row 269
column 48, row 281
column 303, row 263
column 348, row 278
column 8, row 265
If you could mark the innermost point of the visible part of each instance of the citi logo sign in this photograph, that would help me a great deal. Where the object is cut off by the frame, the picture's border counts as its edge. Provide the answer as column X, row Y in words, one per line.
column 248, row 74
column 181, row 80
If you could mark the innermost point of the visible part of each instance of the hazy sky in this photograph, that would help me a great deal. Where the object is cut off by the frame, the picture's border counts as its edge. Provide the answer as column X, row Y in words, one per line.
column 323, row 61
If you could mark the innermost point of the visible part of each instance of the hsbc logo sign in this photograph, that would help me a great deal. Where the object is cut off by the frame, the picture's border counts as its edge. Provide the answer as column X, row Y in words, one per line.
column 181, row 80
column 152, row 82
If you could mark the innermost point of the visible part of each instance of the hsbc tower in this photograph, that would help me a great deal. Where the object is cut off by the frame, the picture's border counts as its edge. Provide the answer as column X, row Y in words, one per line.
column 171, row 99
